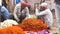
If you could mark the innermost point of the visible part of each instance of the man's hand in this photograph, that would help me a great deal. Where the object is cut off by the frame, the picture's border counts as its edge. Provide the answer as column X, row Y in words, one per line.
column 17, row 20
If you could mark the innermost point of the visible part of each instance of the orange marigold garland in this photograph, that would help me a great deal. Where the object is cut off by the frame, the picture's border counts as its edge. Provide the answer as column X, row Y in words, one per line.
column 12, row 30
column 32, row 24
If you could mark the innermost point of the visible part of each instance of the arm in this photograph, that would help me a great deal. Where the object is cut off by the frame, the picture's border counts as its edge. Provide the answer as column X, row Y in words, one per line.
column 27, row 12
column 15, row 15
column 36, row 11
column 5, row 12
column 41, row 13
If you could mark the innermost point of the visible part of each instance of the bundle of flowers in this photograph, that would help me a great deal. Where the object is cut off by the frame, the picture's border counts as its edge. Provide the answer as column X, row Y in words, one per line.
column 32, row 24
column 12, row 30
column 8, row 23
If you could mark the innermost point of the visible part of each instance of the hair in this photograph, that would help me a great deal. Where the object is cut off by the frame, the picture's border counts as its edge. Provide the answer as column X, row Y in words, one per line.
column 4, row 3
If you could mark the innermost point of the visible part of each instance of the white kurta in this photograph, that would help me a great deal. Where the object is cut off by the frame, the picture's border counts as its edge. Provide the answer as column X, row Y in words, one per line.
column 48, row 18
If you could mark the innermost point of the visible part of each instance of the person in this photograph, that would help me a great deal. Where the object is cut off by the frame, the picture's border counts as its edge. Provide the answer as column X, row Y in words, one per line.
column 17, row 1
column 4, row 3
column 21, row 11
column 5, row 13
column 45, row 13
column 57, row 11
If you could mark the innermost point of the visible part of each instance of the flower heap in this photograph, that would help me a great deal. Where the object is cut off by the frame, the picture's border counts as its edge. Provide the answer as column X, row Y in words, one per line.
column 7, row 23
column 32, row 24
column 12, row 30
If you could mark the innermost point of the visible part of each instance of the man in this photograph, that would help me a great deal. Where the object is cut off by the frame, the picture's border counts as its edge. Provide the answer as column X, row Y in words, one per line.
column 17, row 1
column 4, row 3
column 46, row 13
column 5, row 13
column 21, row 11
column 57, row 11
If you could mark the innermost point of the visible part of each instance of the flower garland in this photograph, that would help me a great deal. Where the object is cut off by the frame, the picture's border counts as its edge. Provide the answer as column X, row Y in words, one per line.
column 12, row 30
column 32, row 24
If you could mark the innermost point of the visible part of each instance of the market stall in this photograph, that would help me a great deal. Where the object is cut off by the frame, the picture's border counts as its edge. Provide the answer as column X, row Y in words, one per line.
column 30, row 25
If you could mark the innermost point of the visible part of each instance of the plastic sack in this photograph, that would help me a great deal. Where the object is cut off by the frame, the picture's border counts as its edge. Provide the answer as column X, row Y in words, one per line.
column 40, row 32
column 43, row 32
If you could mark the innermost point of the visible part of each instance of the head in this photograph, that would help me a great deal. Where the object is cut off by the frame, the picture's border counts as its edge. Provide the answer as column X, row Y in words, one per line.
column 43, row 6
column 24, row 4
column 4, row 3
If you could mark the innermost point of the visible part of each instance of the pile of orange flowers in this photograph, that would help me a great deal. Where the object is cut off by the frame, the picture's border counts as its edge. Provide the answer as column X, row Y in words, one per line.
column 32, row 24
column 12, row 30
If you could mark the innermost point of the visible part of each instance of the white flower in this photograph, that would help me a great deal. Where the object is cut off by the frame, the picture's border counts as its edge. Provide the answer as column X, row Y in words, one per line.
column 8, row 23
